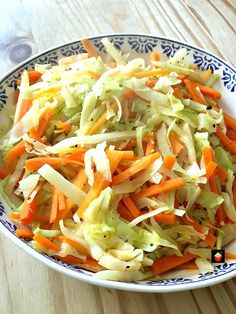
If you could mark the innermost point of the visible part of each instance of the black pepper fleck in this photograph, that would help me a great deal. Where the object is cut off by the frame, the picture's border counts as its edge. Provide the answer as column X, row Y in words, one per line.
column 151, row 244
column 213, row 125
column 209, row 107
column 127, row 267
column 15, row 85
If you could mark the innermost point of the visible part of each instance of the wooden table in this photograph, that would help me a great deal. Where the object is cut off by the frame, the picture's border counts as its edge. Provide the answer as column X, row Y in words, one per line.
column 28, row 27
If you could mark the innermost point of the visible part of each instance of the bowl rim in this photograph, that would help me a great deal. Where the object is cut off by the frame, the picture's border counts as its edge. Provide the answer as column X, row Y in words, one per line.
column 90, row 279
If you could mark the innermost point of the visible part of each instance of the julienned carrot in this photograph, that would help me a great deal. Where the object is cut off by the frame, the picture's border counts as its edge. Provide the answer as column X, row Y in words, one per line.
column 230, row 255
column 3, row 173
column 129, row 203
column 136, row 167
column 124, row 212
column 168, row 262
column 220, row 214
column 228, row 143
column 36, row 163
column 73, row 243
column 28, row 211
column 24, row 107
column 181, row 77
column 33, row 133
column 114, row 157
column 188, row 265
column 24, row 233
column 210, row 239
column 49, row 245
column 94, row 75
column 89, row 48
column 154, row 56
column 151, row 83
column 169, row 219
column 61, row 201
column 210, row 169
column 150, row 73
column 150, row 148
column 129, row 94
column 44, row 121
column 222, row 173
column 204, row 76
column 209, row 91
column 191, row 87
column 33, row 75
column 231, row 135
column 54, row 206
column 15, row 152
column 230, row 121
column 176, row 144
column 100, row 122
column 163, row 187
column 100, row 183
column 62, row 127
column 169, row 162
column 70, row 259
column 207, row 155
column 14, row 216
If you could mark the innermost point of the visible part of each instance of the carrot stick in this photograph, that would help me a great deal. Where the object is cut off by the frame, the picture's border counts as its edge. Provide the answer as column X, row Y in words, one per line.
column 169, row 162
column 54, row 207
column 151, row 83
column 124, row 212
column 163, row 187
column 230, row 255
column 191, row 87
column 205, row 75
column 176, row 144
column 150, row 73
column 114, row 158
column 100, row 183
column 169, row 219
column 229, row 144
column 16, row 96
column 73, row 243
column 129, row 203
column 3, row 173
column 89, row 48
column 14, row 216
column 24, row 107
column 136, row 167
column 231, row 135
column 129, row 94
column 24, row 233
column 150, row 148
column 49, row 245
column 222, row 173
column 36, row 163
column 44, row 121
column 15, row 152
column 168, row 262
column 28, row 211
column 210, row 169
column 207, row 155
column 188, row 265
column 181, row 77
column 209, row 91
column 70, row 259
column 94, row 75
column 61, row 201
column 210, row 239
column 33, row 75
column 154, row 56
column 100, row 122
column 230, row 121
column 62, row 127
column 33, row 133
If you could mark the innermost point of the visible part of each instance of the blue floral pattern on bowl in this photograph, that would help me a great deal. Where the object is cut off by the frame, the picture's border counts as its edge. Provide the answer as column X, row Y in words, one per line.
column 140, row 45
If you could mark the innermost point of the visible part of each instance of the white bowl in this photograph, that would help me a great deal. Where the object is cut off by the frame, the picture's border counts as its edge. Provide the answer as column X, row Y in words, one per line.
column 142, row 46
